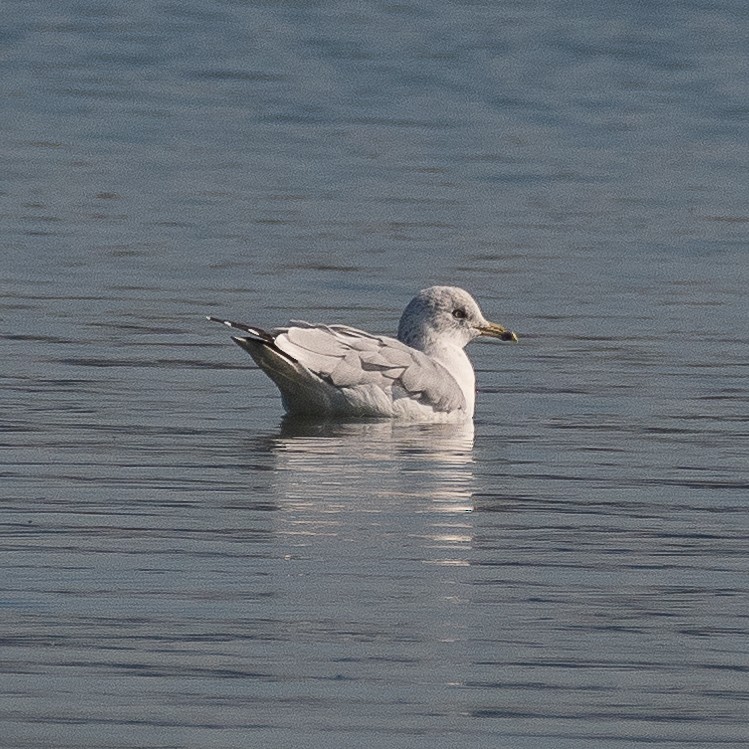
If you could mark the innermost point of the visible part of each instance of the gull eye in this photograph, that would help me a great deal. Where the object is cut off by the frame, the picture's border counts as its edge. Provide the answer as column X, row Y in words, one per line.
column 459, row 314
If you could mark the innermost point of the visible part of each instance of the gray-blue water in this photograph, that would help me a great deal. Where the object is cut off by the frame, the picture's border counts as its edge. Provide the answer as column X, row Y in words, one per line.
column 180, row 569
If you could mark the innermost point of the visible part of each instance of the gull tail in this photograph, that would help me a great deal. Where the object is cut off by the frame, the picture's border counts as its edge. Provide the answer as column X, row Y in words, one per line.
column 301, row 391
column 257, row 334
column 255, row 342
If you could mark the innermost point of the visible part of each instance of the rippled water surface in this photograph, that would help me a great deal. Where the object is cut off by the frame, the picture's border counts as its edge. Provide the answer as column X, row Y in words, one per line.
column 183, row 568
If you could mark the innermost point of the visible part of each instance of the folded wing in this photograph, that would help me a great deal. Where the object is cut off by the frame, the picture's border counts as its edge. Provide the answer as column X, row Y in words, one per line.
column 348, row 358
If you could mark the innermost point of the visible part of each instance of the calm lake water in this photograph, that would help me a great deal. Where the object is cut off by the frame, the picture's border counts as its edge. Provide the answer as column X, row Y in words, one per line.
column 184, row 569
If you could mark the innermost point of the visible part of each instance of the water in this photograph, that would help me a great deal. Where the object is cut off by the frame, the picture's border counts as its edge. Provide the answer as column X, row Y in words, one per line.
column 183, row 569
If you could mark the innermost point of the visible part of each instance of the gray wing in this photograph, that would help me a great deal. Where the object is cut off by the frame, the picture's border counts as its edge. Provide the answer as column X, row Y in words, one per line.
column 346, row 358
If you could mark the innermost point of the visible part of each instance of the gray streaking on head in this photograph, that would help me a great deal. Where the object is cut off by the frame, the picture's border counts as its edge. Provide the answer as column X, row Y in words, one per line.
column 335, row 370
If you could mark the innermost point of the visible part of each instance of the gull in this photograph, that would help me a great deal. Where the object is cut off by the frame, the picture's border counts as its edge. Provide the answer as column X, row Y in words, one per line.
column 335, row 370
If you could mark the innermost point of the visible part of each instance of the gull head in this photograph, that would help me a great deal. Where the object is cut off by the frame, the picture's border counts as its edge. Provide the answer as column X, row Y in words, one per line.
column 444, row 316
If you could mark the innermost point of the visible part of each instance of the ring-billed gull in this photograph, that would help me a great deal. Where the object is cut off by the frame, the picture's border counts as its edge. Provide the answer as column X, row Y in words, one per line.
column 335, row 370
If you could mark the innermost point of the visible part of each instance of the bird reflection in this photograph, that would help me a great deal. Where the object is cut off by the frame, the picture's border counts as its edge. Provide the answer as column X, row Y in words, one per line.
column 340, row 478
column 424, row 460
